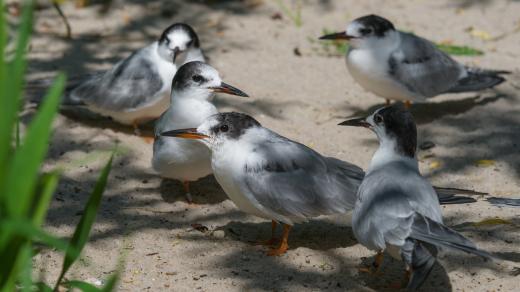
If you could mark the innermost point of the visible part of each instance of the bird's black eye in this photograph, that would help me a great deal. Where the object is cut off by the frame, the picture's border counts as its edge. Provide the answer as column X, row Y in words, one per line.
column 378, row 119
column 224, row 128
column 365, row 31
column 197, row 78
column 188, row 44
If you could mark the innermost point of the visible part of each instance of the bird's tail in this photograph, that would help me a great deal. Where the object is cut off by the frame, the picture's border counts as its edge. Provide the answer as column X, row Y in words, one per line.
column 37, row 88
column 453, row 195
column 478, row 79
column 435, row 233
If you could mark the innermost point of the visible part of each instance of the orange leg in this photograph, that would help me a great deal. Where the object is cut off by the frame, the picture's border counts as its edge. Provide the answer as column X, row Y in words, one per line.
column 407, row 104
column 376, row 265
column 387, row 101
column 273, row 239
column 283, row 244
column 404, row 282
column 137, row 132
column 186, row 185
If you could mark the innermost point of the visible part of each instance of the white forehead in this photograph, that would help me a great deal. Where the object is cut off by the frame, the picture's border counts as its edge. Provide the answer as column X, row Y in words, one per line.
column 210, row 72
column 353, row 28
column 209, row 123
column 179, row 36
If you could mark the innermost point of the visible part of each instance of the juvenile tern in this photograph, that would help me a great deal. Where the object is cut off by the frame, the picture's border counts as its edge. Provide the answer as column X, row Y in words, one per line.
column 192, row 88
column 402, row 66
column 137, row 88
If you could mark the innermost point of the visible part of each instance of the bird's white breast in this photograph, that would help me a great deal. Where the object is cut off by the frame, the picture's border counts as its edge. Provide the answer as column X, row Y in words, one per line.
column 179, row 158
column 228, row 167
column 370, row 69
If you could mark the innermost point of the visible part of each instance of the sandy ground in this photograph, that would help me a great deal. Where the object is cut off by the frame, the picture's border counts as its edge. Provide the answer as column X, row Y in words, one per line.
column 145, row 220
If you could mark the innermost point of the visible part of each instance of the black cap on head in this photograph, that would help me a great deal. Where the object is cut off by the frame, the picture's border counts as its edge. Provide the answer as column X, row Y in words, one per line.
column 400, row 124
column 183, row 27
column 184, row 76
column 378, row 24
column 233, row 124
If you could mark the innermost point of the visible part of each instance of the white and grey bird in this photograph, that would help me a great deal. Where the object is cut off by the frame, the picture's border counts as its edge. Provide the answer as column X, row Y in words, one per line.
column 272, row 177
column 402, row 66
column 397, row 209
column 137, row 89
column 193, row 87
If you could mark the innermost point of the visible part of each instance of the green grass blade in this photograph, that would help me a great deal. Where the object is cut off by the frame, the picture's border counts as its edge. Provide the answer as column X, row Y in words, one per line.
column 459, row 50
column 23, row 170
column 26, row 263
column 12, row 77
column 48, row 182
column 111, row 283
column 80, row 237
column 26, row 230
column 42, row 287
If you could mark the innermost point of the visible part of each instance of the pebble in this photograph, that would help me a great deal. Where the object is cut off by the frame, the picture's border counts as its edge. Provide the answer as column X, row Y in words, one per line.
column 219, row 234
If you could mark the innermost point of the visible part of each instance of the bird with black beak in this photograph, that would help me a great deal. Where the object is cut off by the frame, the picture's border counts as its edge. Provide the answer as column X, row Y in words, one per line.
column 193, row 87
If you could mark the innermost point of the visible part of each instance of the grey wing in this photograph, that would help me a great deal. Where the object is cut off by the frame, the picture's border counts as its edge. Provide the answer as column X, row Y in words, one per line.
column 293, row 182
column 389, row 197
column 130, row 84
column 422, row 68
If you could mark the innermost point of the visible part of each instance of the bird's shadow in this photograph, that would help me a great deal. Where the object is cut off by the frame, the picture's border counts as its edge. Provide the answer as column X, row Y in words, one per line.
column 316, row 235
column 205, row 191
column 391, row 276
column 425, row 113
column 93, row 120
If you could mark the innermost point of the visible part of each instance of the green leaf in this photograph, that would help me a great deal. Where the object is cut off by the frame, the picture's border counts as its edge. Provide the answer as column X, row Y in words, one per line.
column 42, row 287
column 11, row 80
column 112, row 281
column 48, row 182
column 22, row 172
column 459, row 50
column 80, row 237
column 25, row 259
column 28, row 231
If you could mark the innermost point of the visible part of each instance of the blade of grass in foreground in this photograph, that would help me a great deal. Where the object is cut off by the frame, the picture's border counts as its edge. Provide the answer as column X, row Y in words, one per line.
column 23, row 169
column 11, row 80
column 80, row 237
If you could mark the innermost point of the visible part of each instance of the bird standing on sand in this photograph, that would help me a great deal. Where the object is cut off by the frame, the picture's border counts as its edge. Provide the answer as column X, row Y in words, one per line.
column 136, row 89
column 396, row 209
column 192, row 88
column 402, row 66
column 272, row 177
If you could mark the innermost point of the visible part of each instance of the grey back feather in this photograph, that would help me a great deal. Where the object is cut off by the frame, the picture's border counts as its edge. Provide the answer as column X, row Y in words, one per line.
column 387, row 200
column 422, row 68
column 294, row 182
column 132, row 83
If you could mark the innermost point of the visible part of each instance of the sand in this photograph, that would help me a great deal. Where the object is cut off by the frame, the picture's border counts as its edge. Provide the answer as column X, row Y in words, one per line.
column 302, row 94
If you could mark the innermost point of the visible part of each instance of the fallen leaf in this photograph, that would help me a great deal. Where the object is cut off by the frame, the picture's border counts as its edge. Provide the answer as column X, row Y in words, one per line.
column 485, row 162
column 478, row 33
column 434, row 164
column 492, row 221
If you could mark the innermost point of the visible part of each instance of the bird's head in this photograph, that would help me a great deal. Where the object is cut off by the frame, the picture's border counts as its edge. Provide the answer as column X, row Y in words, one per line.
column 218, row 129
column 365, row 31
column 393, row 125
column 176, row 41
column 199, row 80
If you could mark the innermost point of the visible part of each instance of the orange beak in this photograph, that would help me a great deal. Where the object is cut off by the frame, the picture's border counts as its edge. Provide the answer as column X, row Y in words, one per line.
column 190, row 133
